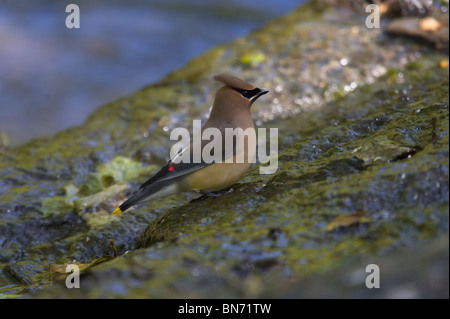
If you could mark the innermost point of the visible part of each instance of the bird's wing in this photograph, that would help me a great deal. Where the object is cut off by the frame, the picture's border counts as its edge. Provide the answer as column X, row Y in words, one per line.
column 174, row 169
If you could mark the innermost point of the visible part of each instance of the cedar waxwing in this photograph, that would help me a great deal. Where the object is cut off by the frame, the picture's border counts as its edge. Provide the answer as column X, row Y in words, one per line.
column 231, row 109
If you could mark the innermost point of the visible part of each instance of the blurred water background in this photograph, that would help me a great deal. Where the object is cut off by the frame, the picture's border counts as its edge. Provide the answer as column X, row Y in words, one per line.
column 52, row 78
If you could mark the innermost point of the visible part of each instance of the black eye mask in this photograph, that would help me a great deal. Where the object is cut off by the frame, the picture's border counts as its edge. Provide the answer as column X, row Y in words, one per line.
column 249, row 94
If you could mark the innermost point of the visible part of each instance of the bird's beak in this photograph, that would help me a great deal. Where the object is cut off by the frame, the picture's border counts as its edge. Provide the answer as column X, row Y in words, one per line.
column 257, row 95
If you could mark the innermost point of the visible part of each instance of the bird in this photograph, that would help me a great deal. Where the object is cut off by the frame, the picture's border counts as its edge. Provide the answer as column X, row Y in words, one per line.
column 231, row 109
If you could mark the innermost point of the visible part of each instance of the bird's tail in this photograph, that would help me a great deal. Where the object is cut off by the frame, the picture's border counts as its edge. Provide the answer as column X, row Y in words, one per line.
column 146, row 193
column 133, row 200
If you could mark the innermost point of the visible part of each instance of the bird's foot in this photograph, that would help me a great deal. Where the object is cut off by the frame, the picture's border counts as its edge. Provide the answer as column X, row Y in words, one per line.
column 216, row 194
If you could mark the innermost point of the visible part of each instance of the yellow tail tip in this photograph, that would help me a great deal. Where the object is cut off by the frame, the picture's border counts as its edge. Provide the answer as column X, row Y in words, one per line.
column 118, row 211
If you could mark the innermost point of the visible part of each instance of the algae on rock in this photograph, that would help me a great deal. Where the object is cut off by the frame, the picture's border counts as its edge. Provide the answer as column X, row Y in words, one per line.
column 363, row 127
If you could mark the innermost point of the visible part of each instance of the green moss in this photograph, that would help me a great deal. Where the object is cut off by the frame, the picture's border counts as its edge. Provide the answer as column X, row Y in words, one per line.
column 372, row 148
column 56, row 206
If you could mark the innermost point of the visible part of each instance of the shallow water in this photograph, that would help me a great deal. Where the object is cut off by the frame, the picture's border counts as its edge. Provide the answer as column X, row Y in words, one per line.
column 52, row 77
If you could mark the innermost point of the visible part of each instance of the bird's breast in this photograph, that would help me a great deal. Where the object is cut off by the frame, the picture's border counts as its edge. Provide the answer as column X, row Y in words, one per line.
column 216, row 176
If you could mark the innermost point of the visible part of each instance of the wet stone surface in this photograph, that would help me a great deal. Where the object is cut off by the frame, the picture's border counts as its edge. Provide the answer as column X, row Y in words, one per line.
column 363, row 132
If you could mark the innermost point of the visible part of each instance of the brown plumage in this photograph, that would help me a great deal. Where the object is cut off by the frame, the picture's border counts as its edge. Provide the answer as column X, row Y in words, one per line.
column 233, row 81
column 231, row 109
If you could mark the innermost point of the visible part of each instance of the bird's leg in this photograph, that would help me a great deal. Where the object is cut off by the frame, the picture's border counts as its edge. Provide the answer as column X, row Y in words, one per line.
column 217, row 193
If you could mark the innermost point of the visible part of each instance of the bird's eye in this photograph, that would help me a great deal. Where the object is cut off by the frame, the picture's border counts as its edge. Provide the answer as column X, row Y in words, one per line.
column 248, row 94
